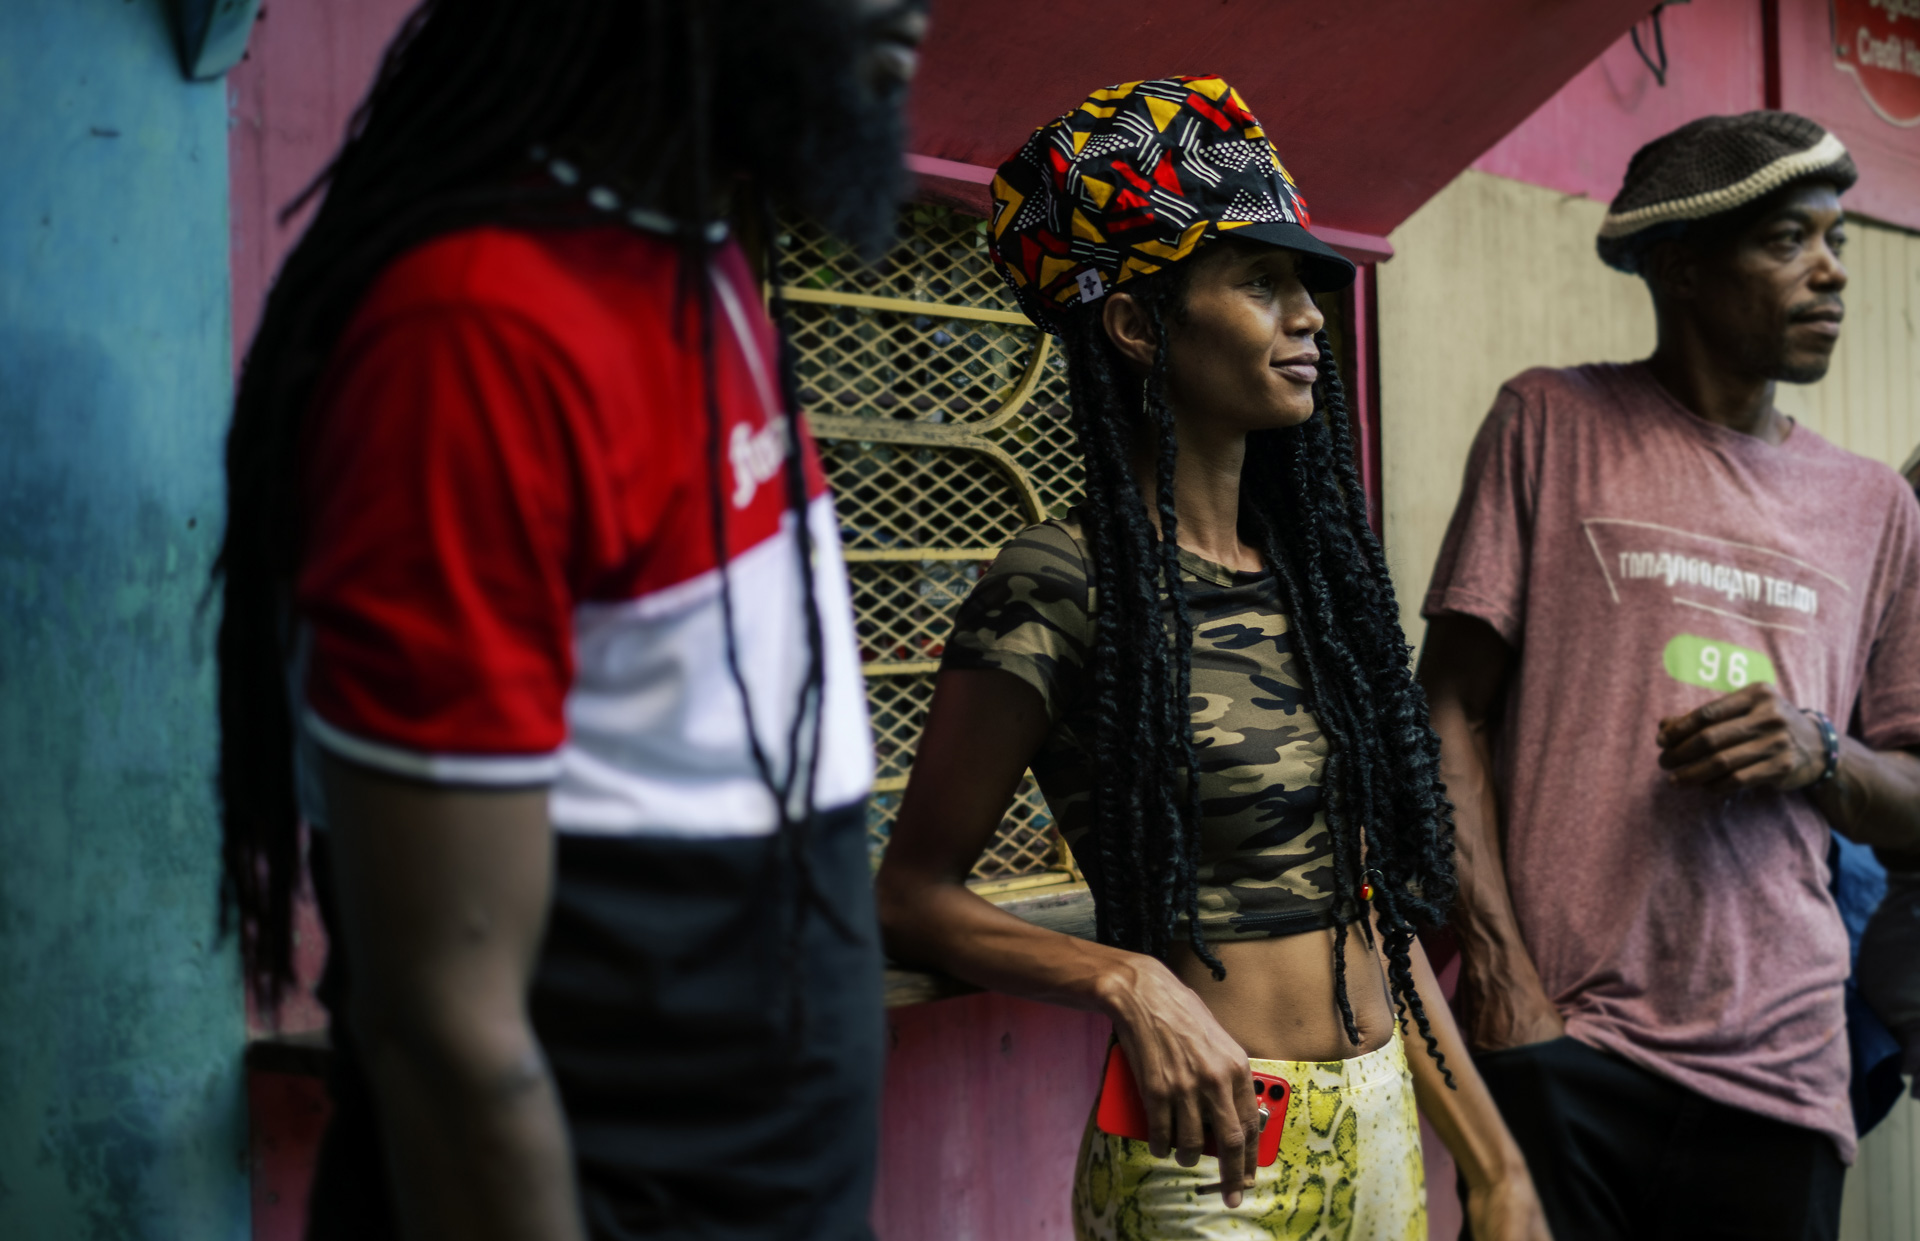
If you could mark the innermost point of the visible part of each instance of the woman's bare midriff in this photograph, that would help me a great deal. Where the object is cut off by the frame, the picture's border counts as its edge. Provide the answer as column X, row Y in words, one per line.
column 1277, row 999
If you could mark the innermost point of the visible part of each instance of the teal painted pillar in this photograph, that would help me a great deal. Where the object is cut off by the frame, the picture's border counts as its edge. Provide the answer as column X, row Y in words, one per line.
column 121, row 1024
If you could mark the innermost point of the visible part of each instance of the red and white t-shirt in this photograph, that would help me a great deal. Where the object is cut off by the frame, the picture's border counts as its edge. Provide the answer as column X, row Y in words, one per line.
column 509, row 574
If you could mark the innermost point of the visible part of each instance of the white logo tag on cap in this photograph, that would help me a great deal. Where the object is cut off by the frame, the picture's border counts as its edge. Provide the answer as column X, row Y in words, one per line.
column 1092, row 288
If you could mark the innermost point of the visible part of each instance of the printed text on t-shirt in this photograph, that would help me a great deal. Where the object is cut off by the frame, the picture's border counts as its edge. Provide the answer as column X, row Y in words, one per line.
column 756, row 456
column 1737, row 584
column 1744, row 581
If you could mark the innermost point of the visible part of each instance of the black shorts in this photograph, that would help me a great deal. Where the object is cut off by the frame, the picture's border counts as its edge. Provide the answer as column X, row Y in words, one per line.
column 707, row 1095
column 1619, row 1152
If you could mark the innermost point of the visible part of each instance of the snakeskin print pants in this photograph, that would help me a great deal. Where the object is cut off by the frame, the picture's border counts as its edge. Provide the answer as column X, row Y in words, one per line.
column 1349, row 1168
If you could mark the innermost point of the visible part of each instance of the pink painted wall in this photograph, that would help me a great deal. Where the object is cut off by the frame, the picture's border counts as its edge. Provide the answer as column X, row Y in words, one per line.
column 985, row 1102
column 308, row 65
column 1375, row 105
column 1579, row 141
column 287, row 1113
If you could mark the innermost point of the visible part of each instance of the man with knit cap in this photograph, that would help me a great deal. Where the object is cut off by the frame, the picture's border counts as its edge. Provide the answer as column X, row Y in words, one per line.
column 1674, row 644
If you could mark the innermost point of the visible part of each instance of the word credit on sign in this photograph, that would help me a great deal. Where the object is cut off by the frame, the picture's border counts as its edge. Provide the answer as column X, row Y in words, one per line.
column 1878, row 42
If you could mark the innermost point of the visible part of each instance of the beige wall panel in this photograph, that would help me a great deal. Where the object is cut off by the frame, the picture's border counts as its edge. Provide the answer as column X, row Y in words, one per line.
column 1489, row 278
column 1494, row 276
column 1882, row 1198
column 1870, row 400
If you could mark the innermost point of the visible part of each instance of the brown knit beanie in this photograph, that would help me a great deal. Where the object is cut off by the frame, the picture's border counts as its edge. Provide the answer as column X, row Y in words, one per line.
column 1712, row 166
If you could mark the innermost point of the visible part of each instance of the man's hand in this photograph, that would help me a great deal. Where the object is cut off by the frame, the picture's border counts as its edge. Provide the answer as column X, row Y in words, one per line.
column 1751, row 739
column 1504, row 1006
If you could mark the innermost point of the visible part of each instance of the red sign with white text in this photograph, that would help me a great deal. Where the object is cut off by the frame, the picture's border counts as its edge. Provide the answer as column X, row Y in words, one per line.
column 1878, row 42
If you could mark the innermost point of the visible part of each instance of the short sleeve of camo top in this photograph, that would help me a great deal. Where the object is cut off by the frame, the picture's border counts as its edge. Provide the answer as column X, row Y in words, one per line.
column 1031, row 615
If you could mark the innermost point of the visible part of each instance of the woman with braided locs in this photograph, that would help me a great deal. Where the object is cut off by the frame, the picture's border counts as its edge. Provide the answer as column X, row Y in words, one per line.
column 513, row 436
column 1203, row 666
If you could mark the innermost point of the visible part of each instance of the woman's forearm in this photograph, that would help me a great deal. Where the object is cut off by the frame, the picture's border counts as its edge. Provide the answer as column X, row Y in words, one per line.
column 944, row 926
column 1465, row 1115
column 1191, row 1073
column 982, row 730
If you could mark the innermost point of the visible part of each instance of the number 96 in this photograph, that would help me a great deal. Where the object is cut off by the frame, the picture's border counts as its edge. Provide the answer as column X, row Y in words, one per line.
column 1736, row 666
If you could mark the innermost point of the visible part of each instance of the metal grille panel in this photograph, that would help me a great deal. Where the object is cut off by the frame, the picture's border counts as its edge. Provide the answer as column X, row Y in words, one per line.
column 896, row 496
column 943, row 420
column 906, row 609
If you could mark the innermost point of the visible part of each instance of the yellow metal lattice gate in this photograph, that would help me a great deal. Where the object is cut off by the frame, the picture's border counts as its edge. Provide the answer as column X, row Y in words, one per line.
column 943, row 422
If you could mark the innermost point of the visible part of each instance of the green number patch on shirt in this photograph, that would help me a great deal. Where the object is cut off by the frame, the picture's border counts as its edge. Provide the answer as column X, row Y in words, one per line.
column 1713, row 665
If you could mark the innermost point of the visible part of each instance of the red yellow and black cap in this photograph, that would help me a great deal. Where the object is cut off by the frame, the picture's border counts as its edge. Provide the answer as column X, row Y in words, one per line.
column 1138, row 178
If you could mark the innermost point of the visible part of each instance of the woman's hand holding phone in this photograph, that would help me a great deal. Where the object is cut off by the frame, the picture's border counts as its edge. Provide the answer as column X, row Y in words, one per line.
column 1192, row 1074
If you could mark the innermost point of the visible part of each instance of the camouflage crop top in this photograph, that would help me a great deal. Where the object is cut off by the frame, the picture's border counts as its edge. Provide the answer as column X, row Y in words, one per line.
column 1266, row 855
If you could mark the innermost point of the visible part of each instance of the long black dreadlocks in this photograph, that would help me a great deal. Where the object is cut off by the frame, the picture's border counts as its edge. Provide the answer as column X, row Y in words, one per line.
column 663, row 99
column 1302, row 505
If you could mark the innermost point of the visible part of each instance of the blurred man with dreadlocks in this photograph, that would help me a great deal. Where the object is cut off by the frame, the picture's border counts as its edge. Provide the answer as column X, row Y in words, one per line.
column 514, row 441
column 1675, row 638
column 1203, row 665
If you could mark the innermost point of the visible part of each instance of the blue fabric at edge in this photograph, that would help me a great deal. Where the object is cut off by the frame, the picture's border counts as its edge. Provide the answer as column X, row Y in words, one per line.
column 1859, row 884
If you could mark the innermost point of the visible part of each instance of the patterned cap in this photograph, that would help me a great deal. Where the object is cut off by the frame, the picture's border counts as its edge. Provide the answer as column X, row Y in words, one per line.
column 1710, row 166
column 1139, row 177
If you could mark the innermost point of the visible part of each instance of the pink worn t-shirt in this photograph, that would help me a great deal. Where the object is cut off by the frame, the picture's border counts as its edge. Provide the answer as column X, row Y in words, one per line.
column 1643, row 561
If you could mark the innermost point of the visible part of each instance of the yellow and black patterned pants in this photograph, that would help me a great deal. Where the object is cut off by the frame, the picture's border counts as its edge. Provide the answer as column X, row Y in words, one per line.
column 1349, row 1168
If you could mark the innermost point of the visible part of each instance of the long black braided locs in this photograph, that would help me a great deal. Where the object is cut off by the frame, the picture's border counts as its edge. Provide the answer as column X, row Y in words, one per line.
column 441, row 143
column 1302, row 505
column 804, row 732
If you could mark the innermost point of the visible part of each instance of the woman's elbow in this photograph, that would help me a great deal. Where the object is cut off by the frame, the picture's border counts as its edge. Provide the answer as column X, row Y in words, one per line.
column 894, row 905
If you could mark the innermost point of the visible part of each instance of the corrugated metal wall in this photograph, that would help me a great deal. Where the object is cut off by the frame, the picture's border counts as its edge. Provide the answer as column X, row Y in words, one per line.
column 1493, row 276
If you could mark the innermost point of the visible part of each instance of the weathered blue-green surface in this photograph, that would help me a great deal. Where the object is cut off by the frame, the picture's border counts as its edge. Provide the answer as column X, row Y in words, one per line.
column 121, row 1109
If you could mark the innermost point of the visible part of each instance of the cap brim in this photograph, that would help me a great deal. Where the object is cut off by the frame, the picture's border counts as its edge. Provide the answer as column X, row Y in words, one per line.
column 1323, row 270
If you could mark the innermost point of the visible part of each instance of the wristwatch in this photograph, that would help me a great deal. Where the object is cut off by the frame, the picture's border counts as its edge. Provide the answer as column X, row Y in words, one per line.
column 1830, row 741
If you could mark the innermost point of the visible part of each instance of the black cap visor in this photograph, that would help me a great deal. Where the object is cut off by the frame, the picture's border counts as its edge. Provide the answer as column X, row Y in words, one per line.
column 1323, row 269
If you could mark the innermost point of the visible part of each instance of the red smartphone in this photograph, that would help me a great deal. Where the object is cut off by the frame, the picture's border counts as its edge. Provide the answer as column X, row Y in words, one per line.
column 1124, row 1115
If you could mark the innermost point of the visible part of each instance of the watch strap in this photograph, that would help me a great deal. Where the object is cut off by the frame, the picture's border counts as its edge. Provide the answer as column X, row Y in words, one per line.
column 1830, row 742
